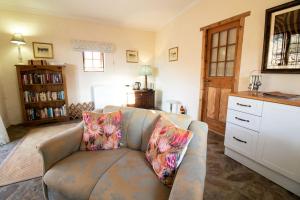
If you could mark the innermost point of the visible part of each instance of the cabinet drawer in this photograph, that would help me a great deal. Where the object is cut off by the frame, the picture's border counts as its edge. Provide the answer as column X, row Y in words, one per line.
column 243, row 119
column 241, row 140
column 250, row 106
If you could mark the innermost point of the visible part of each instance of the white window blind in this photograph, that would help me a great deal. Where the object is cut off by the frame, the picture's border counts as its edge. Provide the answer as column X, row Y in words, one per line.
column 93, row 61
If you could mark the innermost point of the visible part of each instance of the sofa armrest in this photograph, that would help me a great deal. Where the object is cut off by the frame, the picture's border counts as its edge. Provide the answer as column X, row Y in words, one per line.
column 60, row 146
column 190, row 177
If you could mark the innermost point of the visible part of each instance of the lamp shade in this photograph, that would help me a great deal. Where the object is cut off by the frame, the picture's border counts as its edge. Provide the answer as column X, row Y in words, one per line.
column 145, row 70
column 18, row 39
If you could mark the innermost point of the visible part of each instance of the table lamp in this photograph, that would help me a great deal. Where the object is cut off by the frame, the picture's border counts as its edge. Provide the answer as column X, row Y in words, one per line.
column 145, row 70
column 19, row 40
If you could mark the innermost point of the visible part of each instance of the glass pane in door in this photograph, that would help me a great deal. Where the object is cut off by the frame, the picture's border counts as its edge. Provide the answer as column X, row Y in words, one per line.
column 230, row 52
column 229, row 69
column 221, row 69
column 223, row 38
column 215, row 39
column 214, row 54
column 213, row 69
column 232, row 36
column 222, row 54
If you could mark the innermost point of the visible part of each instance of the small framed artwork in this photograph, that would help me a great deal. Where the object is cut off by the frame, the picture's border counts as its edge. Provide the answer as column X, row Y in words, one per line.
column 42, row 50
column 281, row 52
column 132, row 56
column 173, row 54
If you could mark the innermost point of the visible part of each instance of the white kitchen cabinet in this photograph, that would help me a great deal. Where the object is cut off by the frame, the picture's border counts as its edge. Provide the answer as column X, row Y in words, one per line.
column 279, row 141
column 264, row 135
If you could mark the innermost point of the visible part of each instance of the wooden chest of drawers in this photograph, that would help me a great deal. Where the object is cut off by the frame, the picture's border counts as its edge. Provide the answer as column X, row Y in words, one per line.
column 143, row 99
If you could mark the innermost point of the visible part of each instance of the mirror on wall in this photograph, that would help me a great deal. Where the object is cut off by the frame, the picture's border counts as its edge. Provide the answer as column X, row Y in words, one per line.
column 281, row 52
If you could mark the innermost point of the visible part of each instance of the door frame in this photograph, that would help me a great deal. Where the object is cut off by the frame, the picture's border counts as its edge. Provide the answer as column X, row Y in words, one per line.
column 241, row 18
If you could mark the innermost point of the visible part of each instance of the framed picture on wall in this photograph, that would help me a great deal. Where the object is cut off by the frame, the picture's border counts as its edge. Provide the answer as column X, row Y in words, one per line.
column 132, row 56
column 281, row 52
column 42, row 50
column 173, row 54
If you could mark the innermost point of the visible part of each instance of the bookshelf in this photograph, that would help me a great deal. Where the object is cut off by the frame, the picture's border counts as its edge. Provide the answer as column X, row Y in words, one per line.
column 43, row 93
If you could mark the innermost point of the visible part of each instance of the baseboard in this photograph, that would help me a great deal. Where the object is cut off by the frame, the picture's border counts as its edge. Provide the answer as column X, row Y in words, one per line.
column 277, row 178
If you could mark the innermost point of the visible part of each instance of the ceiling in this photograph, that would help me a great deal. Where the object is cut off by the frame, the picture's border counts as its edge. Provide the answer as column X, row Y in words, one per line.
column 142, row 14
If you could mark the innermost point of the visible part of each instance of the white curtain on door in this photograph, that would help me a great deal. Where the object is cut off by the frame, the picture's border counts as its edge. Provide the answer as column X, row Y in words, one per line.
column 3, row 133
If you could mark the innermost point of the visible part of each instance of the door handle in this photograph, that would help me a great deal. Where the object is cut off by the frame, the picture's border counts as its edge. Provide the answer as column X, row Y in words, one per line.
column 243, row 120
column 239, row 140
column 244, row 105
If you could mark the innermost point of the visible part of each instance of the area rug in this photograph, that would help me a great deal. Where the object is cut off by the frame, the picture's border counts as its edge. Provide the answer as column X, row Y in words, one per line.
column 25, row 162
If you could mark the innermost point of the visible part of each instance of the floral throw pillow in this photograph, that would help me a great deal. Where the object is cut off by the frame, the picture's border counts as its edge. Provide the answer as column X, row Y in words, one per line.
column 166, row 148
column 101, row 131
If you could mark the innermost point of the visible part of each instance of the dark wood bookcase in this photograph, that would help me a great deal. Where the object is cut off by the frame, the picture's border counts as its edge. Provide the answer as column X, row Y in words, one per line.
column 43, row 93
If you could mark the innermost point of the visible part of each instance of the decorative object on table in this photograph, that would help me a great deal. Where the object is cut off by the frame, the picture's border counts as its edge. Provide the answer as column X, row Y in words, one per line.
column 152, row 86
column 75, row 110
column 132, row 56
column 255, row 82
column 281, row 52
column 43, row 93
column 19, row 40
column 137, row 86
column 145, row 70
column 173, row 54
column 174, row 106
column 141, row 99
column 37, row 62
column 42, row 50
column 281, row 95
column 182, row 110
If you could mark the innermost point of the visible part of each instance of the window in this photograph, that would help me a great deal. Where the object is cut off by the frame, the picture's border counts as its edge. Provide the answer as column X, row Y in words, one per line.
column 93, row 61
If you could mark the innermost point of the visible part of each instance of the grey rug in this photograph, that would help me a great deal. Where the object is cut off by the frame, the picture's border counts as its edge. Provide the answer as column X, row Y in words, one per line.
column 225, row 179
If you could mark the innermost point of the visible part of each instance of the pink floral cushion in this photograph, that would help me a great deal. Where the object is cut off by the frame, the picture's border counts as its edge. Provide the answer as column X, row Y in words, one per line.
column 101, row 131
column 166, row 148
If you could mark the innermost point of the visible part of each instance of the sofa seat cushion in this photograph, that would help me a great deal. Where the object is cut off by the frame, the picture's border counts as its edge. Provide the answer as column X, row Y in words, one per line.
column 76, row 176
column 131, row 177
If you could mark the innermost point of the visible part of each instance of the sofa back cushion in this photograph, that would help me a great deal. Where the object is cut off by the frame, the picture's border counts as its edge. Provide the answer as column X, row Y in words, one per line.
column 138, row 124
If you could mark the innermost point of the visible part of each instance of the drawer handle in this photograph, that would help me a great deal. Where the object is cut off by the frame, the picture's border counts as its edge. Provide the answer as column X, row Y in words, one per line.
column 244, row 105
column 239, row 140
column 243, row 120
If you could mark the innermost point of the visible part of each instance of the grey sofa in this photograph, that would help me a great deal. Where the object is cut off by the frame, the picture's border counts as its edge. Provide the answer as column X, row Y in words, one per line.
column 122, row 173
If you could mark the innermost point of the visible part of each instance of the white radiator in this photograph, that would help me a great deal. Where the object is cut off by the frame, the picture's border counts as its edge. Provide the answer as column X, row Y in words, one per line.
column 103, row 95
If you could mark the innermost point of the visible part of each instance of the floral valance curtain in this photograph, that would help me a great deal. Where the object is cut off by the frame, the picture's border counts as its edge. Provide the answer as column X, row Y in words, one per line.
column 83, row 45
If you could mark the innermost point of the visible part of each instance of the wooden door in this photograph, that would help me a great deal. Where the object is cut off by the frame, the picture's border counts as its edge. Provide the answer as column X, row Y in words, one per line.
column 222, row 59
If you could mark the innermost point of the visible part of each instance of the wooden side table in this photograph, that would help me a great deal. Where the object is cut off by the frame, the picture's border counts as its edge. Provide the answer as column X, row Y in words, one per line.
column 144, row 99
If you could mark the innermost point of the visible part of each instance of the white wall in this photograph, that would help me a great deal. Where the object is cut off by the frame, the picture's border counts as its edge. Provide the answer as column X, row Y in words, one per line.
column 181, row 80
column 175, row 80
column 60, row 31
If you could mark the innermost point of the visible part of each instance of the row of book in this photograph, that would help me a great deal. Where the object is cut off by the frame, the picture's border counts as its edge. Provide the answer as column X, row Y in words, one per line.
column 33, row 97
column 42, row 78
column 45, row 113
